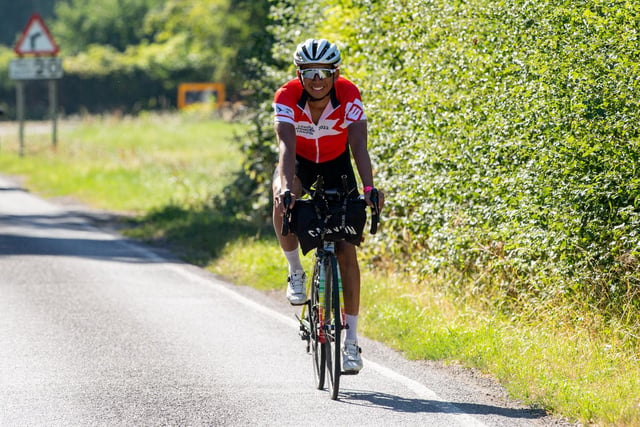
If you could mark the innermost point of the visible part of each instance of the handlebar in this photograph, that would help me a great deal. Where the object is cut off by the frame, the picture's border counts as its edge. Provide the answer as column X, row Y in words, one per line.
column 375, row 209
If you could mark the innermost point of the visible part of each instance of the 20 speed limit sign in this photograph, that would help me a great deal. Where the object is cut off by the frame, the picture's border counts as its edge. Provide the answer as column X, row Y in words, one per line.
column 35, row 68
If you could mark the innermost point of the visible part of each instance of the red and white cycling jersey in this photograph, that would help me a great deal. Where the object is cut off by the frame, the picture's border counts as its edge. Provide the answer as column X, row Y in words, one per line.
column 328, row 139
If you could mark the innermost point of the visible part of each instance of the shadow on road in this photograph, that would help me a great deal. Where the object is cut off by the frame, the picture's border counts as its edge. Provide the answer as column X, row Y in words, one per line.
column 402, row 404
column 113, row 250
column 66, row 234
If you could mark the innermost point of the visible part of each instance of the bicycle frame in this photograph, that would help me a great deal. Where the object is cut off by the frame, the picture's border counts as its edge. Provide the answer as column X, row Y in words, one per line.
column 322, row 256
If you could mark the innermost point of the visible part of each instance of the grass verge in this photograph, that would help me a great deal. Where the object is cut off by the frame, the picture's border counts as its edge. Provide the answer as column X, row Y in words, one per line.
column 129, row 165
column 165, row 170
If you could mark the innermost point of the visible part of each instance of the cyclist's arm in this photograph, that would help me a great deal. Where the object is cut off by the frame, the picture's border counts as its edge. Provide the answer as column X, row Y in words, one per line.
column 358, row 145
column 286, row 134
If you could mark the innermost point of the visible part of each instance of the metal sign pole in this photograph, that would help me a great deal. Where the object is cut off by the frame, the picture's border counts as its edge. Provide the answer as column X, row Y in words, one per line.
column 20, row 108
column 53, row 112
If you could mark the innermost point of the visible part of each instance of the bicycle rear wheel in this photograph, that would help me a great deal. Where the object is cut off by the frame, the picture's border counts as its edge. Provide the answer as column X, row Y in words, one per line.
column 333, row 328
column 317, row 346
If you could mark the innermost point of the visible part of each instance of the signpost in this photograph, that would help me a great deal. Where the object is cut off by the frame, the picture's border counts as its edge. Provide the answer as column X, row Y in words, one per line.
column 42, row 64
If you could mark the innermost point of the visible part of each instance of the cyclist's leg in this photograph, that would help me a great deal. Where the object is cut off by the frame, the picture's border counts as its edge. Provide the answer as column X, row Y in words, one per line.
column 290, row 241
column 350, row 271
column 351, row 359
column 296, row 280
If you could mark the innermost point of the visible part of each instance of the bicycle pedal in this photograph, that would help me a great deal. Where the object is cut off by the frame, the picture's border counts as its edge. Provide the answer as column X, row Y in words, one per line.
column 349, row 372
column 303, row 333
column 298, row 304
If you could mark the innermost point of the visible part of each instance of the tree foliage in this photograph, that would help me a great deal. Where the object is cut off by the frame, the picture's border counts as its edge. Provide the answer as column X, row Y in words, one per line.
column 15, row 15
column 114, row 23
column 132, row 54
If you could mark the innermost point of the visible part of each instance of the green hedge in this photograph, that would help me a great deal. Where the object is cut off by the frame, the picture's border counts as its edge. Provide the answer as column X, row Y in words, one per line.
column 505, row 133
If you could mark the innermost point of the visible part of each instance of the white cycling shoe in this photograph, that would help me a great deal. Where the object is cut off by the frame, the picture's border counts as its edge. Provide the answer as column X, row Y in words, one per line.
column 351, row 359
column 296, row 288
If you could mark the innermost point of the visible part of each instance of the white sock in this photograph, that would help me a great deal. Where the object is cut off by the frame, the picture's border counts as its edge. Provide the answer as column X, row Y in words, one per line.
column 352, row 330
column 293, row 258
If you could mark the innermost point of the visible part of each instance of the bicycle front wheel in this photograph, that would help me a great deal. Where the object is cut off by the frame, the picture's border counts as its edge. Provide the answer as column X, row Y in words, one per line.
column 317, row 346
column 333, row 327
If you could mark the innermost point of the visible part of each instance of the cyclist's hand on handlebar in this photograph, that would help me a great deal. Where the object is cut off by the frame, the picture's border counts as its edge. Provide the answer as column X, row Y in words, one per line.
column 286, row 199
column 286, row 203
column 367, row 198
column 375, row 199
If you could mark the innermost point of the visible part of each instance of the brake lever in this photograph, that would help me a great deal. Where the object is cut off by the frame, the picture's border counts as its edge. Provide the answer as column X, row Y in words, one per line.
column 375, row 217
column 286, row 200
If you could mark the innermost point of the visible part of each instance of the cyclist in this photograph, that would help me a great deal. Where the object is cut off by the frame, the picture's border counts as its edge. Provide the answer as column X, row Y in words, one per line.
column 319, row 123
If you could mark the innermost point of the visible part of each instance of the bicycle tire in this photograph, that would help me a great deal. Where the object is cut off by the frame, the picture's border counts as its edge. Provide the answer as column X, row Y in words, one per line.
column 317, row 347
column 333, row 322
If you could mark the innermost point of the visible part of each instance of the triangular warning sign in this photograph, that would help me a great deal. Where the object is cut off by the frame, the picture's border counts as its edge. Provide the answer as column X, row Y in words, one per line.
column 36, row 39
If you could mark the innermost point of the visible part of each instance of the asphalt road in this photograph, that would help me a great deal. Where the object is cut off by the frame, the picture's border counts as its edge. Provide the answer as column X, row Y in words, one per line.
column 99, row 330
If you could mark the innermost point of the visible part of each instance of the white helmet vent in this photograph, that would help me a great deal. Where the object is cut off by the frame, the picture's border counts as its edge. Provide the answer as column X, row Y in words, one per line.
column 314, row 51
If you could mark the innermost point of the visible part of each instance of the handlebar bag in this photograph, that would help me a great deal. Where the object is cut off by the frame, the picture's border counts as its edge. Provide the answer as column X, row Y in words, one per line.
column 336, row 220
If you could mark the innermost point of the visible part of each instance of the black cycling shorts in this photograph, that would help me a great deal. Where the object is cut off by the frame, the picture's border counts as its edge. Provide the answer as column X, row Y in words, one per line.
column 332, row 171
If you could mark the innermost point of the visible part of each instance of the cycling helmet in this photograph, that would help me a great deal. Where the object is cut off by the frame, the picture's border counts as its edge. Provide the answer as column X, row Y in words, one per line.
column 315, row 51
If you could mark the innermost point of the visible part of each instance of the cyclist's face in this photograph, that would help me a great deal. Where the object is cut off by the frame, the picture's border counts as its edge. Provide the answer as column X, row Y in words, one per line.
column 313, row 82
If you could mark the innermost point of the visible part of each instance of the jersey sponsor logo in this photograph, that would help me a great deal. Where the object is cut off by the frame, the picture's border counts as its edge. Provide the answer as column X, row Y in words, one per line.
column 311, row 131
column 283, row 110
column 307, row 130
column 354, row 111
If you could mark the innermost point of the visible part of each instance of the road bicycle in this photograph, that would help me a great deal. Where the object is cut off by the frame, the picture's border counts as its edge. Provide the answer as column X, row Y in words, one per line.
column 322, row 320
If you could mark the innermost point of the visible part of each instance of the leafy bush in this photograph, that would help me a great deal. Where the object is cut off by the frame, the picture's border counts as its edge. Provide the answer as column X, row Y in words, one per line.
column 505, row 135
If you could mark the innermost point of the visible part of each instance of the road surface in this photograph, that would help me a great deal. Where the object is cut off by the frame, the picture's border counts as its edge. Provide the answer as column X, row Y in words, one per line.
column 98, row 330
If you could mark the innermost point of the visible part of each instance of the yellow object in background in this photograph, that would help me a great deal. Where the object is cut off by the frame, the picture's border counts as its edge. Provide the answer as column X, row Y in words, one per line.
column 200, row 95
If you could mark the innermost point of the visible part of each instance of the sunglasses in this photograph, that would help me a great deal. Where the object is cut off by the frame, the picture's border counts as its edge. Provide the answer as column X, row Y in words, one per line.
column 322, row 73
